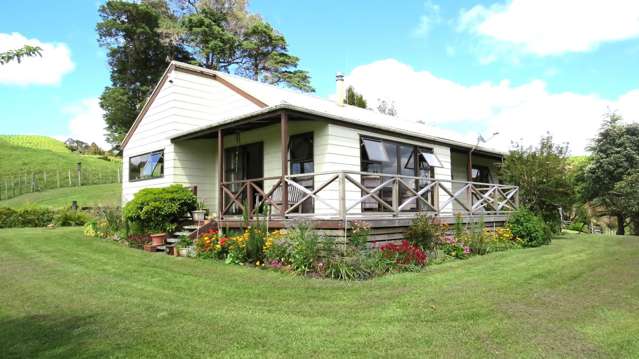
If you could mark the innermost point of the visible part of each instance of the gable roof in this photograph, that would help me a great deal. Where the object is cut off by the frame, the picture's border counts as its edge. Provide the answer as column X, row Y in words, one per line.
column 271, row 98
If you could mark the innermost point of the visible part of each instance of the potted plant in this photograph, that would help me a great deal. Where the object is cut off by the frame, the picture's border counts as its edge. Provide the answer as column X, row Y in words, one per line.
column 159, row 233
column 184, row 245
column 199, row 213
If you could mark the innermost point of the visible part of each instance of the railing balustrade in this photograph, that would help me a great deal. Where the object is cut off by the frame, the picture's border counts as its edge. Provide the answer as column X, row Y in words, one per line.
column 356, row 194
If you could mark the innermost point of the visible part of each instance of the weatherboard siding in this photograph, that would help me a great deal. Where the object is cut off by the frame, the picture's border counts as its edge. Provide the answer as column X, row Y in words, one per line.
column 185, row 101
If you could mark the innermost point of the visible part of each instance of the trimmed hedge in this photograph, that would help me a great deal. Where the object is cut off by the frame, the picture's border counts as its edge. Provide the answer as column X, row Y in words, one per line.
column 157, row 209
column 530, row 227
column 40, row 217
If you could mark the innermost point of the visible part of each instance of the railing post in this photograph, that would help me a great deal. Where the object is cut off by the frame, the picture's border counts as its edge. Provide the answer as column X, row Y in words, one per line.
column 284, row 159
column 436, row 196
column 396, row 196
column 249, row 199
column 342, row 196
column 220, row 175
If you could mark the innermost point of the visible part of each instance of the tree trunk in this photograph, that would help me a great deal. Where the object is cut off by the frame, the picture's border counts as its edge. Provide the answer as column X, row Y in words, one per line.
column 621, row 222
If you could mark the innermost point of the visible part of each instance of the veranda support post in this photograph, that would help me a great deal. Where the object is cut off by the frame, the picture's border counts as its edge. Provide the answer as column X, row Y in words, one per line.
column 284, row 158
column 220, row 174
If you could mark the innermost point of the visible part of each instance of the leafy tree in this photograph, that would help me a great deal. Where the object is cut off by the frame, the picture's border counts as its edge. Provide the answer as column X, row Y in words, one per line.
column 386, row 108
column 19, row 54
column 355, row 99
column 212, row 45
column 628, row 190
column 615, row 154
column 540, row 172
column 137, row 58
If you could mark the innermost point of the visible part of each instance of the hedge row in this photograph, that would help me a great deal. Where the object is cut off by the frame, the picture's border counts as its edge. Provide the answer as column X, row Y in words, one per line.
column 41, row 217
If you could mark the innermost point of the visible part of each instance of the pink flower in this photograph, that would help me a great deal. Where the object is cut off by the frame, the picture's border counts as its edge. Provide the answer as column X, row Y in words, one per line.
column 466, row 250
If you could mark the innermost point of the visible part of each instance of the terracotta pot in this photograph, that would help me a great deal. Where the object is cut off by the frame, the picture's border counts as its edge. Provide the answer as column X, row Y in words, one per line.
column 158, row 239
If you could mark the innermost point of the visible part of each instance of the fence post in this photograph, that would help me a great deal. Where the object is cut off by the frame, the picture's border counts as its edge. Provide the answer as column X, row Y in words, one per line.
column 69, row 177
column 79, row 174
column 44, row 186
column 57, row 173
column 33, row 185
column 118, row 177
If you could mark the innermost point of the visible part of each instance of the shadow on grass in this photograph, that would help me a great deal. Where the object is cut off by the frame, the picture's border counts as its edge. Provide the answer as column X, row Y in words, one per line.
column 49, row 336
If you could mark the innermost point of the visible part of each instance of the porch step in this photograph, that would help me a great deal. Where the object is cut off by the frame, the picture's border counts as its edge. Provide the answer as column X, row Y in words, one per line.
column 172, row 240
column 183, row 233
column 190, row 227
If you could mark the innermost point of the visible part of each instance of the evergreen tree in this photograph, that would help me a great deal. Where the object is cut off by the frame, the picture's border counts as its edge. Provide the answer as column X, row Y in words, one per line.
column 355, row 99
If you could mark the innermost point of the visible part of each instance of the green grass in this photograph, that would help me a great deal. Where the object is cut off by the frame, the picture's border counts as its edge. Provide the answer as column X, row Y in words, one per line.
column 24, row 155
column 64, row 296
column 87, row 196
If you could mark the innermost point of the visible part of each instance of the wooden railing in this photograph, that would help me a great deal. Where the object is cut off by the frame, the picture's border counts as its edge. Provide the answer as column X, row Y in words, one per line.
column 355, row 194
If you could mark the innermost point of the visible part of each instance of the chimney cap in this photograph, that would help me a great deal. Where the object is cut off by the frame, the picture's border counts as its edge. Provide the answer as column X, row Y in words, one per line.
column 339, row 76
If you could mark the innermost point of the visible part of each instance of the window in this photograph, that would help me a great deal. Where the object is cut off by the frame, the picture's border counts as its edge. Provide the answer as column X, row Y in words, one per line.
column 301, row 153
column 146, row 166
column 375, row 150
column 481, row 174
column 431, row 159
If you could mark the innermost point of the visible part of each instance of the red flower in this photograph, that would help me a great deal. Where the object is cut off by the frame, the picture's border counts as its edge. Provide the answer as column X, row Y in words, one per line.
column 404, row 253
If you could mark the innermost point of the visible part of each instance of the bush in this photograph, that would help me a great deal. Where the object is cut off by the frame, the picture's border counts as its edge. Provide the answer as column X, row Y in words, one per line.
column 425, row 232
column 530, row 228
column 405, row 254
column 108, row 223
column 28, row 217
column 8, row 217
column 70, row 217
column 158, row 209
column 305, row 247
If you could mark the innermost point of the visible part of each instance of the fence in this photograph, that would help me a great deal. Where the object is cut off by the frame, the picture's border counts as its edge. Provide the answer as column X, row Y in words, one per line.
column 36, row 181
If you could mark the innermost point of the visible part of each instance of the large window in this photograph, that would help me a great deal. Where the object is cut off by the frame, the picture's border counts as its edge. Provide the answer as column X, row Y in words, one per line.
column 301, row 161
column 146, row 166
column 394, row 158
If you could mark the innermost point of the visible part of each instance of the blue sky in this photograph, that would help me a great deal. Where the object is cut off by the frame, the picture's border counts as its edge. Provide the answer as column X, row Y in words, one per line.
column 522, row 68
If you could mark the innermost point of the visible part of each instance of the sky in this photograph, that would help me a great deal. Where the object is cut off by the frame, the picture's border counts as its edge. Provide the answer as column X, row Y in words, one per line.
column 523, row 68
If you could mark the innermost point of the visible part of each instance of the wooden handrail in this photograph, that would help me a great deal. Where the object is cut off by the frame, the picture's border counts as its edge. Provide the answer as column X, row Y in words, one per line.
column 430, row 195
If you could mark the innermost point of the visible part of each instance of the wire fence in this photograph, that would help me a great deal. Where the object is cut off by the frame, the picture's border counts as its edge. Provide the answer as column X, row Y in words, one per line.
column 32, row 181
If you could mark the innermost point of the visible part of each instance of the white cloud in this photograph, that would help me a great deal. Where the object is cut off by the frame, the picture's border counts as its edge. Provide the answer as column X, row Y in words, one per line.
column 46, row 70
column 430, row 18
column 520, row 113
column 551, row 27
column 87, row 122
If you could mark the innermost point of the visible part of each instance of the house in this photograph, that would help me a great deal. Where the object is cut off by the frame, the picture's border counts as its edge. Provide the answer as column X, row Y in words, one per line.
column 244, row 145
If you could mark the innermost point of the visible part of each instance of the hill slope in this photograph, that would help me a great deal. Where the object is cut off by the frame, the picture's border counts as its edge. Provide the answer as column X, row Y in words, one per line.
column 101, row 195
column 38, row 163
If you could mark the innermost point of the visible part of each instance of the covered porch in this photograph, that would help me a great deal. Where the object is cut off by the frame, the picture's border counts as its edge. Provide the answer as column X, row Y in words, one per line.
column 295, row 176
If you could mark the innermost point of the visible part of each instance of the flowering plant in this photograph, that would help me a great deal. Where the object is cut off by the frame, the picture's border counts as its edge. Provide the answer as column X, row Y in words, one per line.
column 404, row 253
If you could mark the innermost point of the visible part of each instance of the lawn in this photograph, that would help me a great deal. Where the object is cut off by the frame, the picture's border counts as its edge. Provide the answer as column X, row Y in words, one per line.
column 87, row 196
column 64, row 296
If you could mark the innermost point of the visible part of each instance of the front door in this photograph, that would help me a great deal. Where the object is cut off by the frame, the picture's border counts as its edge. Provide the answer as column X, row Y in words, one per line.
column 243, row 163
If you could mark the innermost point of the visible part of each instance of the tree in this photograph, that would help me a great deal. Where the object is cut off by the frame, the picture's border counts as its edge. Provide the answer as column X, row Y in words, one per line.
column 615, row 154
column 19, row 54
column 541, row 174
column 628, row 190
column 212, row 45
column 137, row 58
column 355, row 99
column 386, row 108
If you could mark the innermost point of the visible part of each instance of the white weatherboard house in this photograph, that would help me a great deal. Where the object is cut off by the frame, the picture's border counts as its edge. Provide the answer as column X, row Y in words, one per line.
column 244, row 145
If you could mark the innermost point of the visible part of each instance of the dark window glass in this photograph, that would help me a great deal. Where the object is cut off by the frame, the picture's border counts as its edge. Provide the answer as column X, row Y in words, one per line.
column 146, row 166
column 481, row 174
column 301, row 153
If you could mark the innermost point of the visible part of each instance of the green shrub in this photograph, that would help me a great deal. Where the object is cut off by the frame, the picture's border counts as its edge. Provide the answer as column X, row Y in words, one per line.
column 8, row 217
column 530, row 228
column 305, row 247
column 158, row 209
column 70, row 217
column 576, row 226
column 424, row 232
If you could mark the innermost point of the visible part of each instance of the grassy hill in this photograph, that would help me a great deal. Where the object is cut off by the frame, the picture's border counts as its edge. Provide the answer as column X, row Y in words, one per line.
column 43, row 163
column 102, row 195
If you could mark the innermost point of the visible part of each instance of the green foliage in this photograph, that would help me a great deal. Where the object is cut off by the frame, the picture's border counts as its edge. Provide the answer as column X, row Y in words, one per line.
column 529, row 227
column 615, row 154
column 107, row 223
column 424, row 232
column 541, row 174
column 158, row 209
column 19, row 54
column 359, row 234
column 41, row 217
column 355, row 99
column 628, row 190
column 104, row 195
column 305, row 247
column 69, row 217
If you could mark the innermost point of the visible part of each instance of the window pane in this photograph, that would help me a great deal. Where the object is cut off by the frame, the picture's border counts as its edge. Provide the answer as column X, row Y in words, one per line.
column 390, row 166
column 301, row 147
column 375, row 150
column 432, row 160
column 150, row 165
